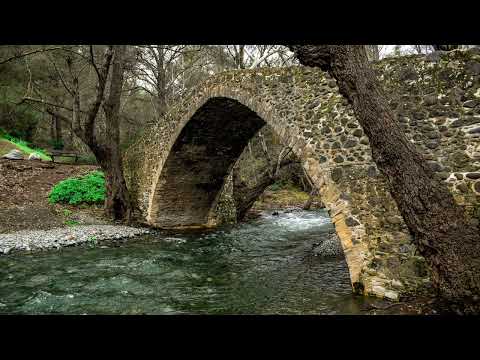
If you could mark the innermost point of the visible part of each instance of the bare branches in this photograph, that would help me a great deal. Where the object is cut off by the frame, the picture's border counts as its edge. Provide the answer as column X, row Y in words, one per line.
column 92, row 60
column 88, row 133
column 60, row 75
column 28, row 53
column 47, row 107
column 47, row 103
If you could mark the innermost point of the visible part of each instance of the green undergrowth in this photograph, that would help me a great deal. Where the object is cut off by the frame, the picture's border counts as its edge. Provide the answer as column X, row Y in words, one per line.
column 282, row 194
column 71, row 222
column 87, row 189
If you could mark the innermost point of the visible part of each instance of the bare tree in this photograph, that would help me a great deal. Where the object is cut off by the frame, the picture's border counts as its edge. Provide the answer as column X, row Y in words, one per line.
column 422, row 49
column 153, row 65
column 84, row 122
column 252, row 56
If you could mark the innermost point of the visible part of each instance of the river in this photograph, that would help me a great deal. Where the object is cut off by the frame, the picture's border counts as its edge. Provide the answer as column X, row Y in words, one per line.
column 265, row 266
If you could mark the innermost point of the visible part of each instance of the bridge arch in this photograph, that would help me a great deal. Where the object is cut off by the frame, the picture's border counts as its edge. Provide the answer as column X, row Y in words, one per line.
column 191, row 168
column 207, row 131
column 190, row 180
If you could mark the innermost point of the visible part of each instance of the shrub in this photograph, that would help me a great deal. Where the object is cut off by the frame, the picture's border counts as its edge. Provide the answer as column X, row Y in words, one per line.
column 86, row 189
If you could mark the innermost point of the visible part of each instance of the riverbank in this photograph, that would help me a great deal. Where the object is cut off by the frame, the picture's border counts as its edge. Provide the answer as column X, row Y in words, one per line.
column 24, row 189
column 28, row 223
column 289, row 198
column 28, row 240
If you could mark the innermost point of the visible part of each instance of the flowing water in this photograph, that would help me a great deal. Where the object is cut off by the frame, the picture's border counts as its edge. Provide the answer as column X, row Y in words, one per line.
column 265, row 266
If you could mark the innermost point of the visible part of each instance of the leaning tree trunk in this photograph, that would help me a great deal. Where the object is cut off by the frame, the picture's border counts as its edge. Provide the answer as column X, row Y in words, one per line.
column 117, row 204
column 245, row 196
column 441, row 231
column 309, row 202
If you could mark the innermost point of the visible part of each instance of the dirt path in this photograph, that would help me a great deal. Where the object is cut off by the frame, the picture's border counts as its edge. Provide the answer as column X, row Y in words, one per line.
column 24, row 189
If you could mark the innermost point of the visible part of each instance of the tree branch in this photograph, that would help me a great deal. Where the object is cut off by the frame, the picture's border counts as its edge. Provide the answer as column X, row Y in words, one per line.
column 28, row 53
column 92, row 59
column 45, row 103
column 60, row 75
column 88, row 133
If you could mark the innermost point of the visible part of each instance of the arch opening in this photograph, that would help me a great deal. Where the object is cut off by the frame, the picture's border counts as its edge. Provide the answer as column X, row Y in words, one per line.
column 199, row 162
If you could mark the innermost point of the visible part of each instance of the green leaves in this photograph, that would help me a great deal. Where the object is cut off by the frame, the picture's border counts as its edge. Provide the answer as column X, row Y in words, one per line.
column 86, row 189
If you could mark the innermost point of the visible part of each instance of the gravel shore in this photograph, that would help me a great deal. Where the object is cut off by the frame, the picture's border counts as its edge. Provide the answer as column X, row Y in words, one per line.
column 27, row 240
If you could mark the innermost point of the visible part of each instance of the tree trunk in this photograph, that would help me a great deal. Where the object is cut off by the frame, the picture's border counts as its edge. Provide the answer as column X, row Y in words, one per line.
column 58, row 131
column 441, row 231
column 117, row 204
column 308, row 203
column 245, row 196
column 52, row 128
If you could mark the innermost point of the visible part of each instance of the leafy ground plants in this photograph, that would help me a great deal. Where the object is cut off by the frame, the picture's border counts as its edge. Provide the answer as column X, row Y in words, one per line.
column 74, row 191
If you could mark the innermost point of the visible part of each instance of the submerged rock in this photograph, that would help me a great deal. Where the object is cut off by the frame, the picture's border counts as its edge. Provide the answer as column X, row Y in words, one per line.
column 330, row 247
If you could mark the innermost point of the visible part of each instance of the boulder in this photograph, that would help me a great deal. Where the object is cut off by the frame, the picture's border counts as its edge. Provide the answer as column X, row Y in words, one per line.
column 34, row 156
column 14, row 155
column 329, row 247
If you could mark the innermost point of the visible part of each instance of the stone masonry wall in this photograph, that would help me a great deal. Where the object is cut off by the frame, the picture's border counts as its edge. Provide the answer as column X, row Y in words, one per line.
column 437, row 101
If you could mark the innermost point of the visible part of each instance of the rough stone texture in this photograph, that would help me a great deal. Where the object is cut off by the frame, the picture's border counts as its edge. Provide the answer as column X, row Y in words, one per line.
column 176, row 171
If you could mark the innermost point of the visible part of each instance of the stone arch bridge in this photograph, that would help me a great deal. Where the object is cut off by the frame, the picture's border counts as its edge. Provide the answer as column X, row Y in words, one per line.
column 177, row 170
